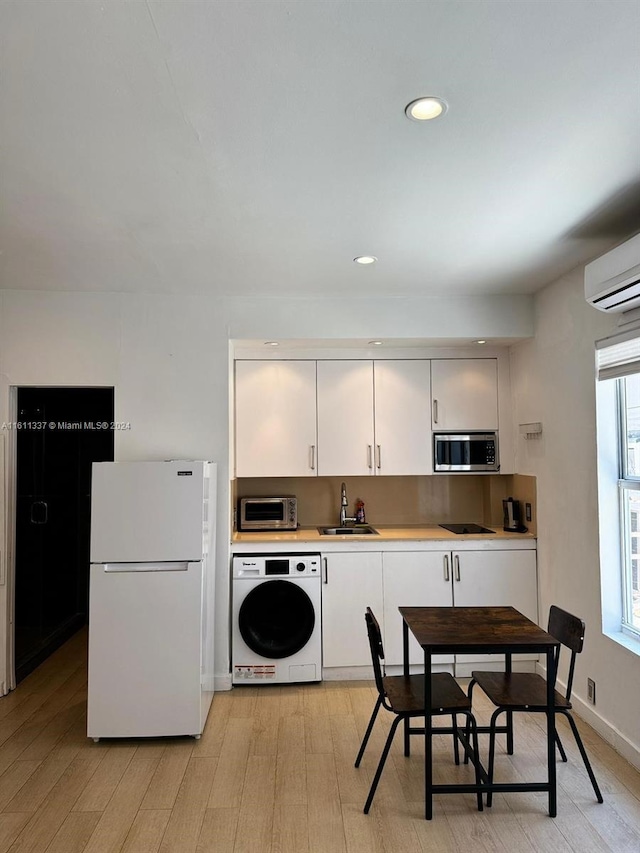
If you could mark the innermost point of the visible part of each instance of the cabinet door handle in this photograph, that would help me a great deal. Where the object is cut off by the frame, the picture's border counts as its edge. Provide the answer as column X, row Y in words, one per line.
column 325, row 566
column 435, row 411
column 446, row 567
column 369, row 462
column 378, row 457
column 312, row 457
column 456, row 562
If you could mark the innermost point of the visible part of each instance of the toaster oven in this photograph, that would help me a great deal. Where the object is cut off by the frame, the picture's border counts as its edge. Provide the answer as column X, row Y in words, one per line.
column 271, row 513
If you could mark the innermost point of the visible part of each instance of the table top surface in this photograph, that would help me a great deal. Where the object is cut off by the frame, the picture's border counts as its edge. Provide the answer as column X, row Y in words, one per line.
column 454, row 628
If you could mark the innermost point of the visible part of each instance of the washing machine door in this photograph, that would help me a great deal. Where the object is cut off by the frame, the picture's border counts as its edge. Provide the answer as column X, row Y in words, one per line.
column 276, row 619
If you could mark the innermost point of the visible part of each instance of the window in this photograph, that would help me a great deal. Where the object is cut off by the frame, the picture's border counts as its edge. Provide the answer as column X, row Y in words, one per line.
column 629, row 489
column 618, row 408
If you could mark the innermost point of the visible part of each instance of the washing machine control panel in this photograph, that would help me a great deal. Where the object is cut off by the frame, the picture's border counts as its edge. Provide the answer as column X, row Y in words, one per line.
column 261, row 565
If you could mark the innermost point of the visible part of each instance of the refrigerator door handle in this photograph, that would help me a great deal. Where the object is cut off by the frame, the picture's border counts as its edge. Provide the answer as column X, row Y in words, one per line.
column 145, row 567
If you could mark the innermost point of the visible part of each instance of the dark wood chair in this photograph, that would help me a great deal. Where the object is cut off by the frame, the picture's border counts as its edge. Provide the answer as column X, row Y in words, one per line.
column 404, row 697
column 527, row 691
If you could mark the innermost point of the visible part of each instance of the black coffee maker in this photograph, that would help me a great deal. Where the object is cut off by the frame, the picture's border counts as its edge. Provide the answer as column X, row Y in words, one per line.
column 512, row 522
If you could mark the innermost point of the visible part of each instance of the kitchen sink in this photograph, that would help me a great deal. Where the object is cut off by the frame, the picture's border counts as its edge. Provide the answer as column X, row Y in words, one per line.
column 347, row 531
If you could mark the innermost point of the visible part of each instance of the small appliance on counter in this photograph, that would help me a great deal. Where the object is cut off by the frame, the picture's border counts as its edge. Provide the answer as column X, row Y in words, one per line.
column 268, row 513
column 512, row 522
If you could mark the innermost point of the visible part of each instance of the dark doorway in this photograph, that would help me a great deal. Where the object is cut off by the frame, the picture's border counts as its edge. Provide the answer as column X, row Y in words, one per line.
column 63, row 430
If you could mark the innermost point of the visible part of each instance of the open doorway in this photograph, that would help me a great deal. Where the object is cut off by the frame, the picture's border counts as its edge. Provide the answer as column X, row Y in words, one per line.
column 63, row 430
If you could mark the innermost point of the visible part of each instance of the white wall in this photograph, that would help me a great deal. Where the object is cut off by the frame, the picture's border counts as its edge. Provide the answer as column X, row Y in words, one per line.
column 168, row 358
column 553, row 381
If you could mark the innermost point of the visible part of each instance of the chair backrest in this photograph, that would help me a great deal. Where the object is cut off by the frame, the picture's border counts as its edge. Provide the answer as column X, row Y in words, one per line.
column 569, row 630
column 377, row 649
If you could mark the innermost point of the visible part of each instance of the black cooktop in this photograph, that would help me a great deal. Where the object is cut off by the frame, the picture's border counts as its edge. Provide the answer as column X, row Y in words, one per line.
column 466, row 528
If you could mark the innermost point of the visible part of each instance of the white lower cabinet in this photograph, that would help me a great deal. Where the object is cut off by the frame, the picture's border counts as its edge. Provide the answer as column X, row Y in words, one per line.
column 495, row 579
column 413, row 579
column 459, row 578
column 384, row 581
column 351, row 582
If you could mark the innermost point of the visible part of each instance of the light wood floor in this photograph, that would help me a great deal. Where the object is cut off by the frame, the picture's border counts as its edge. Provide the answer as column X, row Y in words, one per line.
column 273, row 773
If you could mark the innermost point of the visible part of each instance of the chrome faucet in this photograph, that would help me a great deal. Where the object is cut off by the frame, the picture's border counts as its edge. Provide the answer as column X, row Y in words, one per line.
column 344, row 503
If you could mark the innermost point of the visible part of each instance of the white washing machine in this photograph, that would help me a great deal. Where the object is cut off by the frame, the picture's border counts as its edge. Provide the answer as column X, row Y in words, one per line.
column 277, row 636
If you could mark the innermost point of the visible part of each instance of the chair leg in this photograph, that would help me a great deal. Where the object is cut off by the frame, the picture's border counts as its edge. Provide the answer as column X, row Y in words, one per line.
column 492, row 751
column 468, row 726
column 367, row 734
column 563, row 754
column 471, row 723
column 381, row 764
column 583, row 753
column 407, row 737
column 456, row 746
column 509, row 732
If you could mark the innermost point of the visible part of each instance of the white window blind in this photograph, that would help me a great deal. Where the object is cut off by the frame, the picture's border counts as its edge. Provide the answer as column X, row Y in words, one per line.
column 619, row 355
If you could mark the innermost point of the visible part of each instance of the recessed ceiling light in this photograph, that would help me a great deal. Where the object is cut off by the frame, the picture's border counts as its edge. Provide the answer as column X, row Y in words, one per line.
column 271, row 344
column 481, row 342
column 376, row 343
column 365, row 259
column 423, row 109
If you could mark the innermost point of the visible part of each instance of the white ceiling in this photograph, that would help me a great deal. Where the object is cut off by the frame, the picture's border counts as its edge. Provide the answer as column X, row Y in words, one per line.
column 257, row 147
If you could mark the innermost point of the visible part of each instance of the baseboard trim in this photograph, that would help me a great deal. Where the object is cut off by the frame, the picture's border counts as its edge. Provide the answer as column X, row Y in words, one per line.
column 607, row 731
column 365, row 673
column 464, row 670
column 620, row 742
column 348, row 673
column 221, row 683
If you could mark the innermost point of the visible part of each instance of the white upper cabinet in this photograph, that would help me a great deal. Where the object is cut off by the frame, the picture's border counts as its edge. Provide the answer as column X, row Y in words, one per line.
column 402, row 417
column 352, row 417
column 465, row 394
column 374, row 418
column 345, row 418
column 275, row 419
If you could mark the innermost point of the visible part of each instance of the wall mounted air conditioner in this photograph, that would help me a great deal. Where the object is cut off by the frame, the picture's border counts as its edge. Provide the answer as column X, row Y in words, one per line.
column 612, row 282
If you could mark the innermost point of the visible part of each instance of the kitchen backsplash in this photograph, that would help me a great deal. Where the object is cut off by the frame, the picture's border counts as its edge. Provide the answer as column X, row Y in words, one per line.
column 401, row 500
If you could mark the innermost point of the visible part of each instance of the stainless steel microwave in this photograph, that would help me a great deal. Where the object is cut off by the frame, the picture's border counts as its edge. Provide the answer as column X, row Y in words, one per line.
column 278, row 513
column 469, row 451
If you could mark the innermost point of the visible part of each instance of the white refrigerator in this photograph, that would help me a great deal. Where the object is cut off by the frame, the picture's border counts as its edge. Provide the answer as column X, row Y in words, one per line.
column 151, row 598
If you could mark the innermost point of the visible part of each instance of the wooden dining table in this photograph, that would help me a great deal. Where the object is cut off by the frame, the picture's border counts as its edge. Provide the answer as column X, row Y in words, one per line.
column 487, row 630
